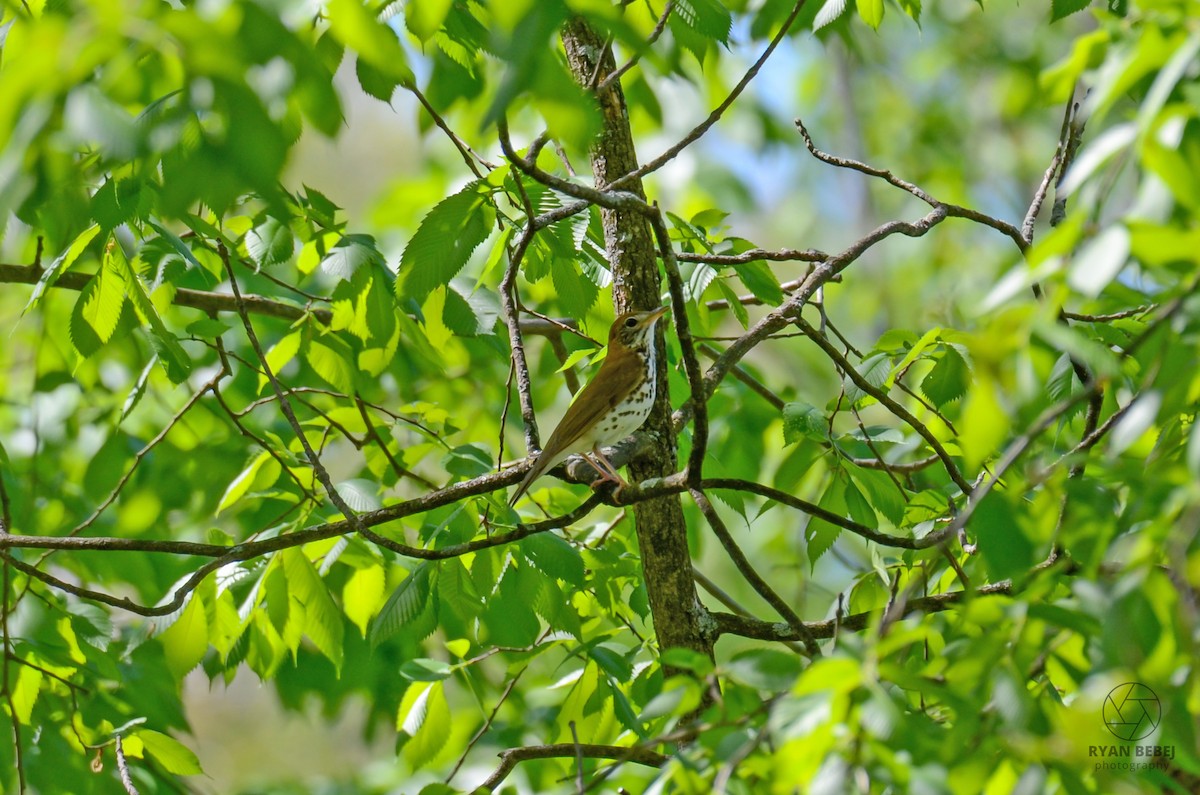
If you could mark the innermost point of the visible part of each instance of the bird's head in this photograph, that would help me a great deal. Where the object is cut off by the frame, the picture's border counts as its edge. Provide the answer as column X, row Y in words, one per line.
column 634, row 330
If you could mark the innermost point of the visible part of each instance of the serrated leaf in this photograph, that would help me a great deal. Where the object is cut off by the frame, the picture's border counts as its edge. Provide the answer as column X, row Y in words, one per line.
column 104, row 303
column 829, row 13
column 139, row 389
column 444, row 242
column 761, row 282
column 375, row 82
column 820, row 534
column 1060, row 9
column 709, row 18
column 270, row 243
column 874, row 369
column 881, row 492
column 949, row 378
column 404, row 605
column 576, row 293
column 333, row 360
column 174, row 756
column 555, row 557
column 186, row 639
column 349, row 254
column 427, row 722
column 871, row 12
column 60, row 265
column 803, row 421
column 356, row 27
column 362, row 596
column 322, row 620
column 280, row 354
column 171, row 355
column 360, row 494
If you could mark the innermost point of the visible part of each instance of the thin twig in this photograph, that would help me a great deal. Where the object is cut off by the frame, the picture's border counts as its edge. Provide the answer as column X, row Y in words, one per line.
column 952, row 210
column 750, row 573
column 691, row 365
column 123, row 768
column 922, row 430
column 468, row 154
column 635, row 176
column 616, row 74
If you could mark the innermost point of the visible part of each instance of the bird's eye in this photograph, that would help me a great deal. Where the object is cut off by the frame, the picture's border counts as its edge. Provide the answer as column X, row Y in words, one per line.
column 630, row 322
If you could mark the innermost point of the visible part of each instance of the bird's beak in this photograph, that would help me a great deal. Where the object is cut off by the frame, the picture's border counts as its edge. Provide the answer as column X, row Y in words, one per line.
column 656, row 314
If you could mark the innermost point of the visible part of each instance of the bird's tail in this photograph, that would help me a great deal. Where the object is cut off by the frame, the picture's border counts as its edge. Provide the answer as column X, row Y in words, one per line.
column 540, row 465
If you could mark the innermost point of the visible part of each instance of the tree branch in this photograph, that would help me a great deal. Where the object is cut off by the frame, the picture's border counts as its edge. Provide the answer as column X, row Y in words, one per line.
column 512, row 757
column 729, row 624
column 751, row 574
column 700, row 129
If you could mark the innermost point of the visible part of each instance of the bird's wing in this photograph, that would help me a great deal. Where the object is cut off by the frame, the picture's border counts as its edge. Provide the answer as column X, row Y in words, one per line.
column 617, row 378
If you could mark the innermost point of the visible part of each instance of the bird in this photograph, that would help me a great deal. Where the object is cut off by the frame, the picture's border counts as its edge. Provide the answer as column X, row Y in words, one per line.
column 611, row 406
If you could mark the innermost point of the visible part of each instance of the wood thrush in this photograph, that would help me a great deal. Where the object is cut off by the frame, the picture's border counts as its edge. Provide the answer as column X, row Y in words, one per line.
column 611, row 406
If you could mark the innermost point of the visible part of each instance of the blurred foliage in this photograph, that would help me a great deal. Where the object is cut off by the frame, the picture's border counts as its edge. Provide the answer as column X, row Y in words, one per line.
column 145, row 150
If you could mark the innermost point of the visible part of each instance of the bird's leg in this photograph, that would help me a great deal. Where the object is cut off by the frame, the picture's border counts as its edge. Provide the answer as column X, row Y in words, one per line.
column 608, row 473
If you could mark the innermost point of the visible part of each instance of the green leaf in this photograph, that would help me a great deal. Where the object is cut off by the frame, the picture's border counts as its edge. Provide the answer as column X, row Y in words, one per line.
column 322, row 621
column 333, row 360
column 1060, row 9
column 468, row 460
column 508, row 615
column 764, row 669
column 444, row 242
column 103, row 307
column 871, row 12
column 60, row 265
column 882, row 492
column 186, row 639
column 917, row 348
column 171, row 355
column 25, row 693
column 949, row 378
column 174, row 756
column 425, row 670
column 874, row 369
column 349, row 254
column 820, row 534
column 709, row 18
column 262, row 472
column 576, row 293
column 358, row 29
column 425, row 716
column 280, row 354
column 761, row 282
column 1003, row 545
column 804, row 421
column 555, row 556
column 270, row 243
column 1099, row 261
column 375, row 82
column 739, row 311
column 139, row 388
column 405, row 604
column 425, row 18
column 362, row 596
